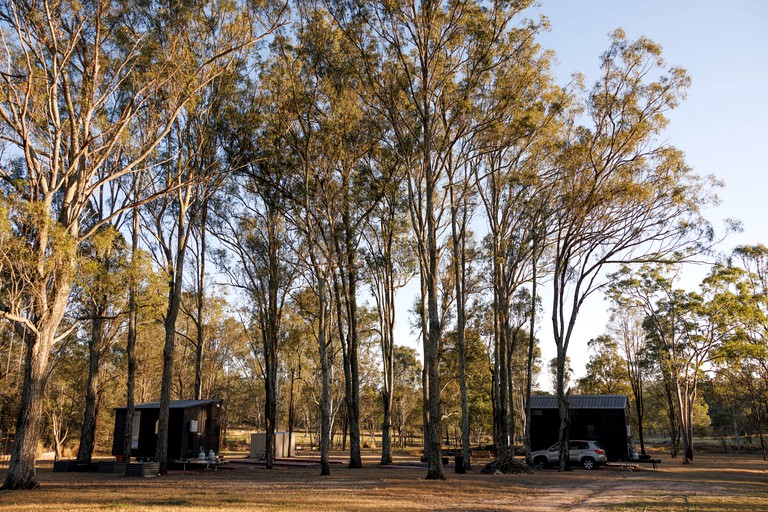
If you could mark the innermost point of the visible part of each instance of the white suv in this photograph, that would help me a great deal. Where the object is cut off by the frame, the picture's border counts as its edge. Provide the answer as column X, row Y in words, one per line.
column 589, row 454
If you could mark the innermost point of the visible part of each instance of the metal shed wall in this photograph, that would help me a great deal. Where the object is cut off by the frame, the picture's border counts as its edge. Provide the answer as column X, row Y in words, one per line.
column 603, row 418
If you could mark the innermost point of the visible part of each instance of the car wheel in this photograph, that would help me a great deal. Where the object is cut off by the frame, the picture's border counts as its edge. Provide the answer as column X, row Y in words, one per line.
column 540, row 462
column 588, row 463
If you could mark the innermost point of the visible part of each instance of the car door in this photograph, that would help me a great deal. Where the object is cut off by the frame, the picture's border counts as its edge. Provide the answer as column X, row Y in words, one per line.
column 575, row 449
column 553, row 454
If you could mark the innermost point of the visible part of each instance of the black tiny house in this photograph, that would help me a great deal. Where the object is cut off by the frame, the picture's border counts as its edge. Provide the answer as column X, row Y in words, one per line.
column 601, row 418
column 193, row 424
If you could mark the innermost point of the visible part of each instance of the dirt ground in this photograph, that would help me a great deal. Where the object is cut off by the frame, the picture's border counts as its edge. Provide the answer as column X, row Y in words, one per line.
column 713, row 483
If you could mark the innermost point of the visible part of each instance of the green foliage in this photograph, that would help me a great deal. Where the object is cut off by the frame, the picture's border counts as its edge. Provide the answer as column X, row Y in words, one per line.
column 606, row 371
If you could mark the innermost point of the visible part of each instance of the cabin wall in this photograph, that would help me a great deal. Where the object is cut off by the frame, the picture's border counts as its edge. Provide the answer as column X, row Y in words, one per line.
column 182, row 442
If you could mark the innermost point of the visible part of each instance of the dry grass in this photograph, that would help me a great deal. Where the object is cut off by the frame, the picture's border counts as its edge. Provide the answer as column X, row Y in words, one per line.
column 714, row 483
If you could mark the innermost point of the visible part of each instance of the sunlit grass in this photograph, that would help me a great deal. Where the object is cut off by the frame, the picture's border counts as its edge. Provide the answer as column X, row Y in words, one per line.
column 714, row 483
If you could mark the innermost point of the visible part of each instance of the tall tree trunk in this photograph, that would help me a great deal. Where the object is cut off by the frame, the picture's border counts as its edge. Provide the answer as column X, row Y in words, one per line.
column 353, row 403
column 432, row 347
column 563, row 403
column 291, row 412
column 325, row 413
column 347, row 326
column 424, row 372
column 130, row 346
column 685, row 401
column 270, row 322
column 511, row 339
column 672, row 417
column 88, row 431
column 21, row 470
column 386, row 301
column 529, row 362
column 459, row 270
column 172, row 313
column 500, row 357
column 637, row 391
column 270, row 405
column 200, row 305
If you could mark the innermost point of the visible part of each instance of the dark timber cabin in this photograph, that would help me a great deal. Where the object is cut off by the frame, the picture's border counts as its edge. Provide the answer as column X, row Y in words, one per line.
column 601, row 418
column 193, row 424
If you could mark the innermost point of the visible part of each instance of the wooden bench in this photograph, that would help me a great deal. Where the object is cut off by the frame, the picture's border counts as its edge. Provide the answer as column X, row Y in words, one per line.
column 482, row 454
column 655, row 462
column 622, row 464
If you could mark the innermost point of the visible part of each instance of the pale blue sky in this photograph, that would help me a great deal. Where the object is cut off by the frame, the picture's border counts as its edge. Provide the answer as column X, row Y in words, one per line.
column 721, row 127
column 723, row 124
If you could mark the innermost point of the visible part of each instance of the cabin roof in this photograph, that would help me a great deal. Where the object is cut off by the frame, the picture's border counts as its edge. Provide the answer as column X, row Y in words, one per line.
column 581, row 402
column 176, row 404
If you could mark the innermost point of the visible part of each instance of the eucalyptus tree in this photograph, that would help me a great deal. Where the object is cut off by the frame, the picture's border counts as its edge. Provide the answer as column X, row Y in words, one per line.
column 524, row 113
column 192, row 173
column 331, row 134
column 390, row 265
column 77, row 79
column 189, row 162
column 433, row 57
column 749, row 351
column 685, row 330
column 626, row 326
column 606, row 371
column 645, row 291
column 259, row 243
column 102, row 272
column 299, row 118
column 622, row 195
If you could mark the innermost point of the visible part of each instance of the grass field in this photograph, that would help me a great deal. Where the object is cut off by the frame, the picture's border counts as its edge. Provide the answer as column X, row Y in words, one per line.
column 714, row 483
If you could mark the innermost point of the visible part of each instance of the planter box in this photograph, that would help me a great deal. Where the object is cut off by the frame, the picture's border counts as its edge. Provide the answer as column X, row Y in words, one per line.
column 73, row 466
column 64, row 465
column 112, row 467
column 144, row 469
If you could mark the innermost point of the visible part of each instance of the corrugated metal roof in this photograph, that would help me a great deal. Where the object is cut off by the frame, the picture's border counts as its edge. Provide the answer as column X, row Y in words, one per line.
column 176, row 404
column 581, row 402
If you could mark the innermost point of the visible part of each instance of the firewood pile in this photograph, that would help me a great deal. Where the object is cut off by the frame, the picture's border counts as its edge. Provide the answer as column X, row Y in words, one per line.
column 509, row 465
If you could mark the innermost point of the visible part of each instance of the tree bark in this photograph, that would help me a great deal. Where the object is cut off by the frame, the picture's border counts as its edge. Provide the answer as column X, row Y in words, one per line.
column 47, row 316
column 88, row 431
column 270, row 332
column 529, row 362
column 385, row 298
column 325, row 413
column 432, row 346
column 200, row 306
column 459, row 269
column 672, row 417
column 21, row 471
column 130, row 346
column 353, row 403
column 563, row 405
column 172, row 313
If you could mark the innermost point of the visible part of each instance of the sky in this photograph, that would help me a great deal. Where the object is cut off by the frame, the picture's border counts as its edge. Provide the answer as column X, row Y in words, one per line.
column 722, row 126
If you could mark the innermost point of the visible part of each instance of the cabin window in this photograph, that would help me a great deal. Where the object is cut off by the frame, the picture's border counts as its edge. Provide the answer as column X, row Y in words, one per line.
column 135, row 430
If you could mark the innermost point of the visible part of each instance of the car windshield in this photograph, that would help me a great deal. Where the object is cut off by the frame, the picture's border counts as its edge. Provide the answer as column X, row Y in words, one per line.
column 599, row 445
